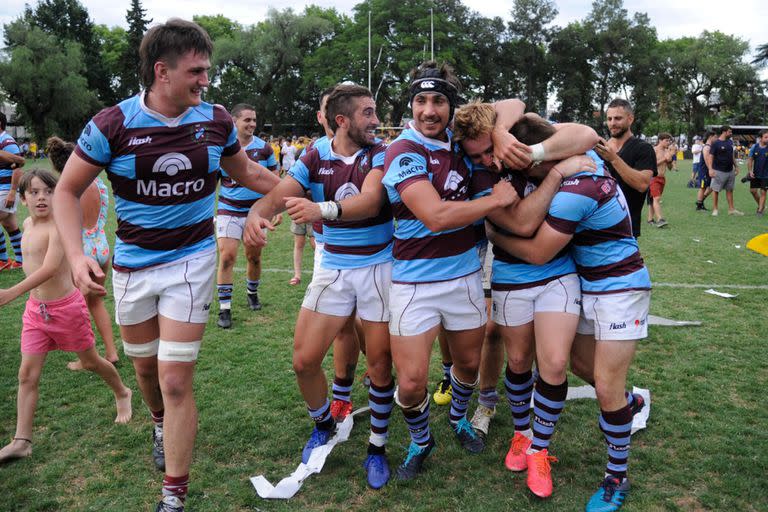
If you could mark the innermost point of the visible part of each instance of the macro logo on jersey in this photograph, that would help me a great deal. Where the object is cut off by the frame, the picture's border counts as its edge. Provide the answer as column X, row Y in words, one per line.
column 346, row 191
column 409, row 167
column 170, row 164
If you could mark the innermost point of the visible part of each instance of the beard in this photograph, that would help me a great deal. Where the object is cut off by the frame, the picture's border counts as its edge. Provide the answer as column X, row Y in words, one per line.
column 619, row 133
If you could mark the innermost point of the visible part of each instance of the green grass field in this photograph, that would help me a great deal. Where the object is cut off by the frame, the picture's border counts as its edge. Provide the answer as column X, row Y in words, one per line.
column 705, row 448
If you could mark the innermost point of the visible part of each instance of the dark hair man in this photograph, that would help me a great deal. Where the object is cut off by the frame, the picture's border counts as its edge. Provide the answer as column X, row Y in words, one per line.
column 162, row 150
column 723, row 169
column 11, row 161
column 629, row 159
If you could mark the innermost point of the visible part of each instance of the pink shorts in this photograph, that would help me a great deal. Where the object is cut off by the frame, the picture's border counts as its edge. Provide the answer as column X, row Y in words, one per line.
column 62, row 324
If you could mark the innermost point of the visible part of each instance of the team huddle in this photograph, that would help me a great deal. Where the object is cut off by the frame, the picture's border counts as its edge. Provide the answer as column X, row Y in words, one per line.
column 406, row 232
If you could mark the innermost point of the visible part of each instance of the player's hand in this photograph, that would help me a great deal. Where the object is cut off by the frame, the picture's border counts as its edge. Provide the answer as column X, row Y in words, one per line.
column 302, row 210
column 253, row 234
column 576, row 164
column 711, row 173
column 509, row 151
column 84, row 272
column 277, row 220
column 5, row 297
column 751, row 175
column 504, row 193
column 736, row 171
column 606, row 153
column 10, row 199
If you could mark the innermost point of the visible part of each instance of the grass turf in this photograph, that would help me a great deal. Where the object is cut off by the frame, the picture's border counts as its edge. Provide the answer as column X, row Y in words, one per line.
column 705, row 448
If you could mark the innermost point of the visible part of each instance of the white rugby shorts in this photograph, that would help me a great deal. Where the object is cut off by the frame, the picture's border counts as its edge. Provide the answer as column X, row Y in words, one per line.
column 181, row 291
column 229, row 226
column 3, row 197
column 615, row 316
column 512, row 308
column 338, row 292
column 458, row 304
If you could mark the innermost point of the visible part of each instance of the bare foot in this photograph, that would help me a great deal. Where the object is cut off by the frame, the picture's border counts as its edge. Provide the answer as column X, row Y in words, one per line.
column 124, row 411
column 75, row 365
column 16, row 449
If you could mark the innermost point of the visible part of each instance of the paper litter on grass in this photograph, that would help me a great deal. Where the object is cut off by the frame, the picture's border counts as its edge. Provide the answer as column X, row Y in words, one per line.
column 290, row 485
column 712, row 291
column 668, row 322
column 710, row 261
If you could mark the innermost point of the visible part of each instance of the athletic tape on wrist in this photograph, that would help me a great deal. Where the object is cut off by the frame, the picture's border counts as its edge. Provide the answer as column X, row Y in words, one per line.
column 178, row 351
column 329, row 210
column 537, row 152
column 148, row 349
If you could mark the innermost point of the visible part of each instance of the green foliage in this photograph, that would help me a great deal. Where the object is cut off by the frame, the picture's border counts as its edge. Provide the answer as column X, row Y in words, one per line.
column 217, row 26
column 45, row 79
column 68, row 21
column 128, row 63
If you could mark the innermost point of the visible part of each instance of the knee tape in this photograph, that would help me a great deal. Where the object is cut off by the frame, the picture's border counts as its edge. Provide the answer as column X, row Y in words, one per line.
column 472, row 385
column 148, row 349
column 176, row 351
column 421, row 407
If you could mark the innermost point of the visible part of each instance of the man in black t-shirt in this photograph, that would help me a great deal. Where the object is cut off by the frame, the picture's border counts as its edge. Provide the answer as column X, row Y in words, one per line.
column 631, row 161
column 723, row 169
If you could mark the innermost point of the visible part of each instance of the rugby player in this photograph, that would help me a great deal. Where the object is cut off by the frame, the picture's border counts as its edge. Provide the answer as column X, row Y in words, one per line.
column 436, row 273
column 11, row 161
column 234, row 203
column 528, row 299
column 590, row 213
column 162, row 150
column 344, row 177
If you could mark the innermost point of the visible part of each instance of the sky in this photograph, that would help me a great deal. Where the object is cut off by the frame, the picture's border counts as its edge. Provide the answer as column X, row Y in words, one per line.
column 671, row 19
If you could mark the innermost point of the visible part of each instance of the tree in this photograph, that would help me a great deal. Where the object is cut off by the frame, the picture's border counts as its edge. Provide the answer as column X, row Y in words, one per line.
column 68, row 20
column 55, row 97
column 128, row 63
column 113, row 42
column 530, row 37
column 217, row 26
column 263, row 64
column 700, row 68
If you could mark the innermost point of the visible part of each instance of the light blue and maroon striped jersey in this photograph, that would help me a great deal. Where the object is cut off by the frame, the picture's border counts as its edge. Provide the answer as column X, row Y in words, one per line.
column 317, row 226
column 592, row 208
column 7, row 143
column 422, row 256
column 512, row 273
column 332, row 177
column 163, row 173
column 235, row 199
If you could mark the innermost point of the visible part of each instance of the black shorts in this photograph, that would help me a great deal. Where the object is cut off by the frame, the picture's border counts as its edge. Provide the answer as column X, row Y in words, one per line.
column 759, row 183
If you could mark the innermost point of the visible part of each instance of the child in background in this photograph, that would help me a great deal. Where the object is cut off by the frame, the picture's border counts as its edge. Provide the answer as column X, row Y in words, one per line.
column 55, row 317
column 95, row 204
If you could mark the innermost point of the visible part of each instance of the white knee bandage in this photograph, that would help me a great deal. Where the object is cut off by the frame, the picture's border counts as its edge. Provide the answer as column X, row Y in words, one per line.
column 421, row 407
column 465, row 384
column 148, row 349
column 178, row 351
